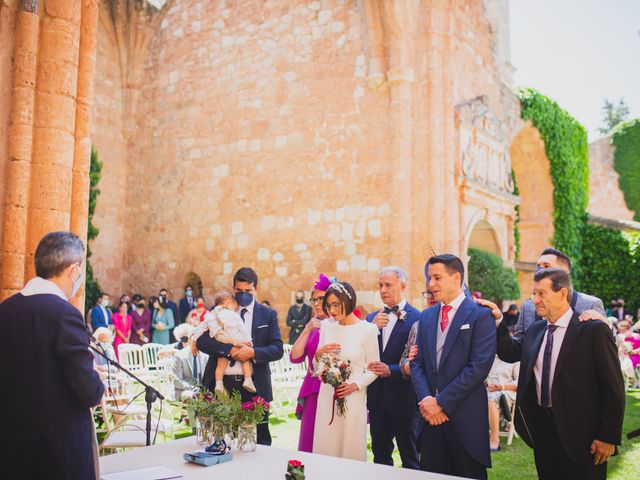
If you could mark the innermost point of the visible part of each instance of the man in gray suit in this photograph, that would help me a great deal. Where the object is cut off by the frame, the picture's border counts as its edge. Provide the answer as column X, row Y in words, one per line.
column 588, row 307
column 188, row 369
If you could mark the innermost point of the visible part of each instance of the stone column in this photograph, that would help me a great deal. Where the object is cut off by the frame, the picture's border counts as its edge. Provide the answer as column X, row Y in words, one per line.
column 401, row 16
column 20, row 142
column 54, row 124
column 82, row 146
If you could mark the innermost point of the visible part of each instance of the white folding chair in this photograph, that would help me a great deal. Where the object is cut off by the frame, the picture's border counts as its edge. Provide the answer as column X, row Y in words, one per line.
column 509, row 429
column 150, row 354
column 131, row 357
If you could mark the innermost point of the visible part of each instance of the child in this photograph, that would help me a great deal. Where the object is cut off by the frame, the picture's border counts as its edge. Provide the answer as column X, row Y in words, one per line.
column 226, row 326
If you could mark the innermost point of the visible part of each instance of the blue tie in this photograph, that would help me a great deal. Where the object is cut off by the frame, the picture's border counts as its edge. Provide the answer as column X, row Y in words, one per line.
column 243, row 312
column 196, row 374
column 545, row 388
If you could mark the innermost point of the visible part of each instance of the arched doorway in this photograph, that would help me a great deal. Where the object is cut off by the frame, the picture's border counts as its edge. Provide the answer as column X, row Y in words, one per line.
column 484, row 237
column 533, row 178
column 194, row 280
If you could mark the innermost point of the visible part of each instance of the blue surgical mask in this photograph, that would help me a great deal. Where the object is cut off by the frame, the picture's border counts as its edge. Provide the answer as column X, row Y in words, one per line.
column 77, row 283
column 188, row 293
column 244, row 299
column 538, row 268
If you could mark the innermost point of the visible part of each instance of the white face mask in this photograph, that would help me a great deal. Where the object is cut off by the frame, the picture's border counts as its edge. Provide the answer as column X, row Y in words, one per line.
column 77, row 284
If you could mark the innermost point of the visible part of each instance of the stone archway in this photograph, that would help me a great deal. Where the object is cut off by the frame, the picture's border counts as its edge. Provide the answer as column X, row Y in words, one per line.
column 533, row 179
column 195, row 281
column 484, row 237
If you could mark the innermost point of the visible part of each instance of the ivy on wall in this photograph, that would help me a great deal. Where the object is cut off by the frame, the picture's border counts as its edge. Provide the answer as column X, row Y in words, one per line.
column 565, row 141
column 611, row 265
column 516, row 220
column 626, row 161
column 92, row 287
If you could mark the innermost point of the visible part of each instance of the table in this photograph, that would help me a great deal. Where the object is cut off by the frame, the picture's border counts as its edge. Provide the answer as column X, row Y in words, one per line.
column 265, row 463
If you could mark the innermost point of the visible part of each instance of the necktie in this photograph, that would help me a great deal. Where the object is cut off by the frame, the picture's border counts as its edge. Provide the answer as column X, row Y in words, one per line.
column 546, row 367
column 445, row 317
column 243, row 312
column 388, row 310
column 196, row 374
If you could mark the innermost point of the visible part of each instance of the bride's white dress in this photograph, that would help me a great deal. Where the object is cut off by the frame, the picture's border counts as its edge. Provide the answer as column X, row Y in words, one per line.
column 346, row 437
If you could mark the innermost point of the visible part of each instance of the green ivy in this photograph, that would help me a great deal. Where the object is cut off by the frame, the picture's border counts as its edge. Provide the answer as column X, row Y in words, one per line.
column 516, row 220
column 626, row 161
column 489, row 275
column 565, row 142
column 611, row 262
column 92, row 287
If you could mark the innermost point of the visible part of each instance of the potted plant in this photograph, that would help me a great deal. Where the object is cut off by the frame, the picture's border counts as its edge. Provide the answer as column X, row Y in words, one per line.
column 251, row 413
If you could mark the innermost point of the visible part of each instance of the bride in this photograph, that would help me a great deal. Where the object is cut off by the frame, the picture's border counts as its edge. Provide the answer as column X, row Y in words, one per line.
column 357, row 341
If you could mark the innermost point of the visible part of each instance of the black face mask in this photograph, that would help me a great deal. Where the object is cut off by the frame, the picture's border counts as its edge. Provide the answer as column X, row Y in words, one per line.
column 299, row 300
column 140, row 305
column 184, row 339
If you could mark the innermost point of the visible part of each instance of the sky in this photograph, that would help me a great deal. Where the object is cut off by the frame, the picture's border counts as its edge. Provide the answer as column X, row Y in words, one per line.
column 578, row 52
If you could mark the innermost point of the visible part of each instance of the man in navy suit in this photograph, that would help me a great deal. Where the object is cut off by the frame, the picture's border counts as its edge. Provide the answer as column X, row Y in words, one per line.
column 47, row 425
column 186, row 304
column 391, row 400
column 456, row 348
column 100, row 315
column 262, row 322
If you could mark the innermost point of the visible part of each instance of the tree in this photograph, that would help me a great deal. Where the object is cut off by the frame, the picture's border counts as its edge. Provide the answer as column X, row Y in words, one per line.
column 92, row 287
column 489, row 275
column 613, row 114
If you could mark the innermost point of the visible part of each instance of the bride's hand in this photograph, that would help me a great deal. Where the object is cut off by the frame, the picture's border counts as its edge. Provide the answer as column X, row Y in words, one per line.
column 329, row 347
column 346, row 389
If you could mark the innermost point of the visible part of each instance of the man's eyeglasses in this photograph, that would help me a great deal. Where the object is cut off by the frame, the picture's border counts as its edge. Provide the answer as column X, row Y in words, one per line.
column 316, row 299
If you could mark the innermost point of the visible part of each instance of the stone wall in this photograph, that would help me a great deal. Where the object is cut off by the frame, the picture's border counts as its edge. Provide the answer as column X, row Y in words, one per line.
column 605, row 197
column 298, row 137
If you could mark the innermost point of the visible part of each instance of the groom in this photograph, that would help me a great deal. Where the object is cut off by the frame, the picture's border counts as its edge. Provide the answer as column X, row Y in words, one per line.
column 391, row 400
column 456, row 348
column 262, row 323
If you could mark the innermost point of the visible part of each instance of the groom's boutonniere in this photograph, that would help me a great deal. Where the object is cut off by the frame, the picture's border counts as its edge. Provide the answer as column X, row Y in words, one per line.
column 402, row 315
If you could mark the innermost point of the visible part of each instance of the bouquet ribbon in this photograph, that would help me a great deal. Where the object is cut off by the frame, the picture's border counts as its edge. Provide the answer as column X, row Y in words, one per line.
column 333, row 405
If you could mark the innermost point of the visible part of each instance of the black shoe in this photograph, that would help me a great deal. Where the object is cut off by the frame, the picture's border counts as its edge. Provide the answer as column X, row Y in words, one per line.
column 494, row 450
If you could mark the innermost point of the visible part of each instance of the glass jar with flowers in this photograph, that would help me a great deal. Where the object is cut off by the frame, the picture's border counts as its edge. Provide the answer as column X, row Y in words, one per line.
column 252, row 413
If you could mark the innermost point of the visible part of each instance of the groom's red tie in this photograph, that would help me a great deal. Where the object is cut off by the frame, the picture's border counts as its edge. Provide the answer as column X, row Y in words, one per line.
column 445, row 317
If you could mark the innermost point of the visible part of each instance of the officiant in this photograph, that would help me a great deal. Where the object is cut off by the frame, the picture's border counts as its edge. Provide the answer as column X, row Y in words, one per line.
column 47, row 369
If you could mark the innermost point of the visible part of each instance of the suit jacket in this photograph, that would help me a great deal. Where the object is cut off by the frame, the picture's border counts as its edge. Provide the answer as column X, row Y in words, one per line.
column 395, row 394
column 580, row 302
column 267, row 344
column 457, row 382
column 183, row 370
column 297, row 320
column 185, row 308
column 45, row 360
column 97, row 317
column 587, row 395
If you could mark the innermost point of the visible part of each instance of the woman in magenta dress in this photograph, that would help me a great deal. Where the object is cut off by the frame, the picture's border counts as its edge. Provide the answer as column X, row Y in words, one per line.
column 122, row 325
column 304, row 349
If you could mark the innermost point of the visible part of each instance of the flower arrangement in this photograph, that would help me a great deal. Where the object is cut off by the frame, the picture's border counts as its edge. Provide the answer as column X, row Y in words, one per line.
column 334, row 371
column 295, row 470
column 253, row 412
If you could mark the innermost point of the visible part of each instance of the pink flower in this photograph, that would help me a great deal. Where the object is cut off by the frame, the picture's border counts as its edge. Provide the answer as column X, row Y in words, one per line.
column 248, row 406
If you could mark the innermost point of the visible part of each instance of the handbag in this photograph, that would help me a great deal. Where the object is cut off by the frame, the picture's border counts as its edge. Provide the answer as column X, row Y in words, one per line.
column 504, row 407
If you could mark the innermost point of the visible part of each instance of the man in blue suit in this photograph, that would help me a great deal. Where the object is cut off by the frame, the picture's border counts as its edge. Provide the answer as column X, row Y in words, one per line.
column 262, row 323
column 100, row 315
column 186, row 304
column 456, row 348
column 391, row 400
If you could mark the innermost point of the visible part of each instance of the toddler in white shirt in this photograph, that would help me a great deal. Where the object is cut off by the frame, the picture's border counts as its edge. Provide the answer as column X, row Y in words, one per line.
column 226, row 326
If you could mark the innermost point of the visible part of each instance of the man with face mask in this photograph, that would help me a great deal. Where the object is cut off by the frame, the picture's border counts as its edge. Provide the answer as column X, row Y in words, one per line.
column 51, row 365
column 100, row 315
column 262, row 324
column 298, row 316
column 186, row 304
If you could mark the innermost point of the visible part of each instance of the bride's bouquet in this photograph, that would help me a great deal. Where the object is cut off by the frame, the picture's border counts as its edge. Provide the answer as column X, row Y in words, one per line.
column 333, row 370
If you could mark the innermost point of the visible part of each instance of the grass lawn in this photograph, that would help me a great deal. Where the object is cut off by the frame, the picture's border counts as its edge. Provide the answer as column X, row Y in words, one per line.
column 515, row 461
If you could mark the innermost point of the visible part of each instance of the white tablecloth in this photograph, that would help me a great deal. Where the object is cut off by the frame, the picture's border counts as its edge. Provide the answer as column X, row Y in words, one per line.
column 265, row 463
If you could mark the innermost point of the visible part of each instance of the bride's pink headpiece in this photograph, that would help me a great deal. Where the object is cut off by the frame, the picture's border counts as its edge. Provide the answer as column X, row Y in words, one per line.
column 323, row 283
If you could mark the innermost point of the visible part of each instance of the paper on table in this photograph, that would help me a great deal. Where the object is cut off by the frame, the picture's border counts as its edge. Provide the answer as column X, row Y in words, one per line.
column 156, row 472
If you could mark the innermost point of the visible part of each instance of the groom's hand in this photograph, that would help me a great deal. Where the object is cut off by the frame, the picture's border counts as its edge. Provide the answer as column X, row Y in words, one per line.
column 438, row 419
column 379, row 368
column 429, row 407
column 245, row 353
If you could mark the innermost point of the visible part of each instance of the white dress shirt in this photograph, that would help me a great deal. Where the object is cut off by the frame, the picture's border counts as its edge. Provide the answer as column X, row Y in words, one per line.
column 558, row 336
column 248, row 323
column 40, row 286
column 393, row 318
